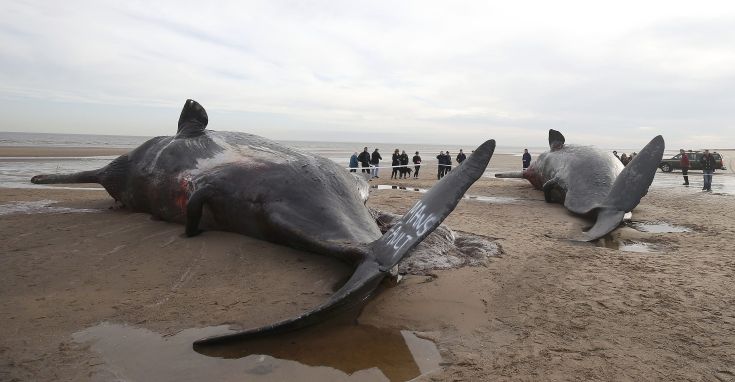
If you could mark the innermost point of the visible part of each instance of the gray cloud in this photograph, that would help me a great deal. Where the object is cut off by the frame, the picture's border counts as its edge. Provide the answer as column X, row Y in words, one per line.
column 377, row 70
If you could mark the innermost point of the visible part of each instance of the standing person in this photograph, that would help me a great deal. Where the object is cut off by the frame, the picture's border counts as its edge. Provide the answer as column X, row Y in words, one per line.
column 448, row 163
column 404, row 164
column 375, row 162
column 364, row 159
column 684, row 163
column 416, row 165
column 396, row 161
column 708, row 169
column 460, row 157
column 526, row 159
column 353, row 162
column 440, row 166
column 624, row 159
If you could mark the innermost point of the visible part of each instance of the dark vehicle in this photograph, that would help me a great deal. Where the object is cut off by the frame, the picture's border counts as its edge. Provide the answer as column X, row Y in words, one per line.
column 667, row 165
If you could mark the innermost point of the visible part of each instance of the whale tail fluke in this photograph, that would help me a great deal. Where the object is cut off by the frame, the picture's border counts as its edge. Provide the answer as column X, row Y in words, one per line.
column 629, row 188
column 384, row 253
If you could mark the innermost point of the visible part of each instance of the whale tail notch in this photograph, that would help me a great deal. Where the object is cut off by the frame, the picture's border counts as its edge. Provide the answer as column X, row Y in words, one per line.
column 384, row 253
column 629, row 188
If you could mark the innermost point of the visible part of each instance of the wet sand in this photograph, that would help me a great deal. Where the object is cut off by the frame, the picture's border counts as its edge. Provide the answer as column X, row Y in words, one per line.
column 548, row 309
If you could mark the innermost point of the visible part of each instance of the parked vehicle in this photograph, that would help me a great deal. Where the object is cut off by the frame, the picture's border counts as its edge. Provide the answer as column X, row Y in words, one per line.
column 673, row 163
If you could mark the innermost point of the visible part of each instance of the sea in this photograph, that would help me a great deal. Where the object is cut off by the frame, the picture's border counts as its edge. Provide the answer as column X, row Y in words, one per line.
column 15, row 172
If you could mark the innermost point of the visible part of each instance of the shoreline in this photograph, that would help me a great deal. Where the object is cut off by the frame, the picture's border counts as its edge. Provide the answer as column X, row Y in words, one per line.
column 50, row 151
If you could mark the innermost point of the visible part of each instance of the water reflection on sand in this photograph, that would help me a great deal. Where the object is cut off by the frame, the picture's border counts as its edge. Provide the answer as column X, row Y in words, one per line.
column 323, row 353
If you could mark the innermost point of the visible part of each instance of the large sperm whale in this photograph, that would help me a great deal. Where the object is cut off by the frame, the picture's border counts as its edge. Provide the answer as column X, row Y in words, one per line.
column 247, row 184
column 592, row 182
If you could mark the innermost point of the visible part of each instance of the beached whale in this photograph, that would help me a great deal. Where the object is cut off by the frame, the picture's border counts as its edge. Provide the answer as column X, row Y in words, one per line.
column 247, row 184
column 592, row 182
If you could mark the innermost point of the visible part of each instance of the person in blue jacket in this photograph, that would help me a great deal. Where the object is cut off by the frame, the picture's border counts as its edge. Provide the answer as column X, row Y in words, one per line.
column 353, row 162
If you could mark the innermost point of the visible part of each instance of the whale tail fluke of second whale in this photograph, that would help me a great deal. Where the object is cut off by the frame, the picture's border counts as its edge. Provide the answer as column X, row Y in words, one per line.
column 630, row 186
column 384, row 253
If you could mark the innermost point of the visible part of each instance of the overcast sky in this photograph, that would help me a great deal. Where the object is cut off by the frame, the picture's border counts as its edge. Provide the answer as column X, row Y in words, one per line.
column 614, row 75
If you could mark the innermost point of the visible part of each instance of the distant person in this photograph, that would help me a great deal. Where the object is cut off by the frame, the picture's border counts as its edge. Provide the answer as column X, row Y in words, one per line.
column 526, row 159
column 375, row 162
column 364, row 159
column 460, row 157
column 616, row 154
column 440, row 166
column 416, row 165
column 395, row 163
column 447, row 163
column 684, row 163
column 353, row 162
column 708, row 169
column 404, row 165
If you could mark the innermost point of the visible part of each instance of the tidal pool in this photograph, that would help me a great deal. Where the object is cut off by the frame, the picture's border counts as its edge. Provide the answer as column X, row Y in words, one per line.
column 322, row 353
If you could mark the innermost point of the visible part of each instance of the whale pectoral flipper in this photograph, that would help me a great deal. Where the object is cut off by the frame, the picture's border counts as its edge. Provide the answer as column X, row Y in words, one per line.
column 548, row 187
column 194, row 208
column 381, row 255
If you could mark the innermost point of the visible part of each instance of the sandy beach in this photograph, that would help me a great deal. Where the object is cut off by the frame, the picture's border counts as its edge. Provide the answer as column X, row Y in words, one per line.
column 547, row 309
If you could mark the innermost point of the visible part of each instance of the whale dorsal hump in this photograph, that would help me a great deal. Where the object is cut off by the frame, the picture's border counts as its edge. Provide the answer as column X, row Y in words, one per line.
column 556, row 140
column 193, row 120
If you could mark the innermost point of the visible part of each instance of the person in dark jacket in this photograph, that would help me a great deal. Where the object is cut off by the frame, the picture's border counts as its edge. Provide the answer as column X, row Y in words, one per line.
column 416, row 165
column 448, row 163
column 353, row 162
column 404, row 164
column 460, row 157
column 708, row 169
column 364, row 159
column 684, row 163
column 396, row 161
column 526, row 159
column 440, row 166
column 375, row 162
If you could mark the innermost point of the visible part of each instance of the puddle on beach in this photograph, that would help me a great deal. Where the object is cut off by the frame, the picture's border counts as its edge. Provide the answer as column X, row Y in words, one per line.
column 625, row 245
column 488, row 199
column 324, row 352
column 38, row 207
column 657, row 227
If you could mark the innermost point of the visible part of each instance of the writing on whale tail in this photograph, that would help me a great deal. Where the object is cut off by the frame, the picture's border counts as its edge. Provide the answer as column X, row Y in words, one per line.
column 383, row 254
column 629, row 187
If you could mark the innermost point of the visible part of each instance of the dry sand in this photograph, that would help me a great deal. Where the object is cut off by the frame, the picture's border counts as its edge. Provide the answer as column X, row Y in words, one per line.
column 548, row 309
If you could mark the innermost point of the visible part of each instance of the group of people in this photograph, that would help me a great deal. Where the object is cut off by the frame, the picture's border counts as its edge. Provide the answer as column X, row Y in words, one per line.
column 445, row 162
column 625, row 158
column 400, row 167
column 707, row 161
column 708, row 168
column 370, row 163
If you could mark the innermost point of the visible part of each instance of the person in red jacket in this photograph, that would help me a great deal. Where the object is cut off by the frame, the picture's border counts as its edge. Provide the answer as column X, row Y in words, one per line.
column 684, row 162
